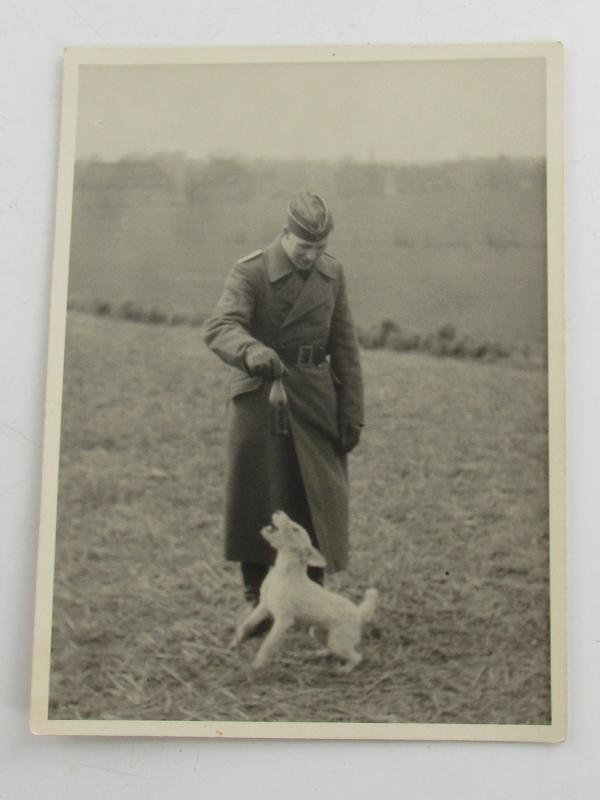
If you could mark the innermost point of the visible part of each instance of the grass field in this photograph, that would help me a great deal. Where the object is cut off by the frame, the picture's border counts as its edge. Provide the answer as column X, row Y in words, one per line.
column 163, row 253
column 449, row 521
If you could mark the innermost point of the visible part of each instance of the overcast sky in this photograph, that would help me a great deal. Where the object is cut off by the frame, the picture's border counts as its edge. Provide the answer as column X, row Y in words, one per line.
column 413, row 111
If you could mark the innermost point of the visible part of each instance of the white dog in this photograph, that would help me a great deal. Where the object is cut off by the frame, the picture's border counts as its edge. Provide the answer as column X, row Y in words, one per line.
column 289, row 596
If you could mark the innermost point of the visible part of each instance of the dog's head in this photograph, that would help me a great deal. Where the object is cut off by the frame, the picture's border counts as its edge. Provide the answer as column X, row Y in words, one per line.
column 288, row 537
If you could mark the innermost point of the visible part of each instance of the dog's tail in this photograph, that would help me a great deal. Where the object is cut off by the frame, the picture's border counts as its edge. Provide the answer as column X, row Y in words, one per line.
column 368, row 605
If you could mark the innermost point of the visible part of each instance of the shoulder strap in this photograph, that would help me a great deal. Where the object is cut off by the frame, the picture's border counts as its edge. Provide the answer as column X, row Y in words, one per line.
column 251, row 256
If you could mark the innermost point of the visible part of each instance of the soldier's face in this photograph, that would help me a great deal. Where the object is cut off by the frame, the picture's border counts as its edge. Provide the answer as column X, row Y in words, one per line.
column 301, row 252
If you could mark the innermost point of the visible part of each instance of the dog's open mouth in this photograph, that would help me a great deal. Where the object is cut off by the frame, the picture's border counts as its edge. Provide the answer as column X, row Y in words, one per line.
column 268, row 532
column 279, row 519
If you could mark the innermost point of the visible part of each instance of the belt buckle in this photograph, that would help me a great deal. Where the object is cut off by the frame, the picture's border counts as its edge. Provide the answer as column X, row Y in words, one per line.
column 306, row 355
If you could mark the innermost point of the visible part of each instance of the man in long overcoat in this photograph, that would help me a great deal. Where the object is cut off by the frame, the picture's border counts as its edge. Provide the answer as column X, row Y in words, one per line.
column 284, row 314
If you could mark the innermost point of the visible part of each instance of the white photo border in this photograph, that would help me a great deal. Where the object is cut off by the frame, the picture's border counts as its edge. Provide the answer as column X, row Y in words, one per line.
column 77, row 57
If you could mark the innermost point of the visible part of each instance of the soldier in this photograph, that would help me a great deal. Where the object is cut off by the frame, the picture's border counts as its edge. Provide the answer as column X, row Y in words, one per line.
column 284, row 314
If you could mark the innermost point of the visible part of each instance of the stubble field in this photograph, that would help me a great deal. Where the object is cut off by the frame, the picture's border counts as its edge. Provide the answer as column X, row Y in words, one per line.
column 449, row 522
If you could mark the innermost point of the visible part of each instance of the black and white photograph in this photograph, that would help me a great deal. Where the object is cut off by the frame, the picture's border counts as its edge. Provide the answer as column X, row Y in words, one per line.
column 303, row 451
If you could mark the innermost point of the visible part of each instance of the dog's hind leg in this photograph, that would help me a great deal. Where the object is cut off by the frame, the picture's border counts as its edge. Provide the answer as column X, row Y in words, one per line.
column 342, row 643
column 280, row 626
column 353, row 658
column 249, row 623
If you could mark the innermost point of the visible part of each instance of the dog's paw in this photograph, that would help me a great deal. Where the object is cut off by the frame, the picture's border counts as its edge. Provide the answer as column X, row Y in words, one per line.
column 323, row 652
column 349, row 665
column 235, row 640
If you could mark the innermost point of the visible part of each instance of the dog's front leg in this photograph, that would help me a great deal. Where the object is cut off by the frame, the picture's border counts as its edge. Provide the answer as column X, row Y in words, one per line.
column 254, row 618
column 274, row 636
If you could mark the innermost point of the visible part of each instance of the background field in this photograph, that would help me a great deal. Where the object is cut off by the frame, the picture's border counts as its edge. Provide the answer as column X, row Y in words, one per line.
column 449, row 511
column 460, row 243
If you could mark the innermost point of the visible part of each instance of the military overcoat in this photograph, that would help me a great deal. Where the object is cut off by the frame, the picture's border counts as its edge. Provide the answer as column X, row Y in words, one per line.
column 265, row 300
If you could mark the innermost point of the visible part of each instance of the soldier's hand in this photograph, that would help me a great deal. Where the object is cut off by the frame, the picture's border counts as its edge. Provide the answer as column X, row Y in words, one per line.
column 263, row 362
column 349, row 437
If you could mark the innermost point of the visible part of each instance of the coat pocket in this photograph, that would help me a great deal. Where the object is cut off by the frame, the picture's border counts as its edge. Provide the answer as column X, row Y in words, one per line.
column 242, row 383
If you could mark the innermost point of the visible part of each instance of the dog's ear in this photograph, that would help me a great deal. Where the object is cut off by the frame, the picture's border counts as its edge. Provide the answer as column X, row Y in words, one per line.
column 314, row 557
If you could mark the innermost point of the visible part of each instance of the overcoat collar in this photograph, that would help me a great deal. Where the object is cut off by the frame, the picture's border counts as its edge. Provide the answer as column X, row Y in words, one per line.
column 279, row 265
column 315, row 290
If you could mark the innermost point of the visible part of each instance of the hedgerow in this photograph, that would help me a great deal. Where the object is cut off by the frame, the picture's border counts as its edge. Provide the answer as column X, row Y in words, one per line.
column 446, row 341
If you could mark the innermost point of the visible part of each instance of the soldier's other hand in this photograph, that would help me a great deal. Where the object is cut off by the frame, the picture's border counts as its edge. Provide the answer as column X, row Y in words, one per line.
column 349, row 437
column 263, row 362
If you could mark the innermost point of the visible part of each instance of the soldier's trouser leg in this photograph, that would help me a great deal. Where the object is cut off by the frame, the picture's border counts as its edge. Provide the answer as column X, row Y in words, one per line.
column 253, row 575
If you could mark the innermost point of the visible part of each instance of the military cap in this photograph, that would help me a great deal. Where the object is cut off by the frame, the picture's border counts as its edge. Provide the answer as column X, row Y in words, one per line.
column 308, row 216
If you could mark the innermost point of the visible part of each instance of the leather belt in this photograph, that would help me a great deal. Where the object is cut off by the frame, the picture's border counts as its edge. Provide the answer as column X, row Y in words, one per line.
column 302, row 355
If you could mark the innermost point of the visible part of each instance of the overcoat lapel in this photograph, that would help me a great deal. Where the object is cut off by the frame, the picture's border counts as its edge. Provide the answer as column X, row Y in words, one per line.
column 303, row 296
column 289, row 290
column 314, row 293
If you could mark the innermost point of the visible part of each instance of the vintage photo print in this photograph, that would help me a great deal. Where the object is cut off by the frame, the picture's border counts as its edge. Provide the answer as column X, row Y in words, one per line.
column 304, row 451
